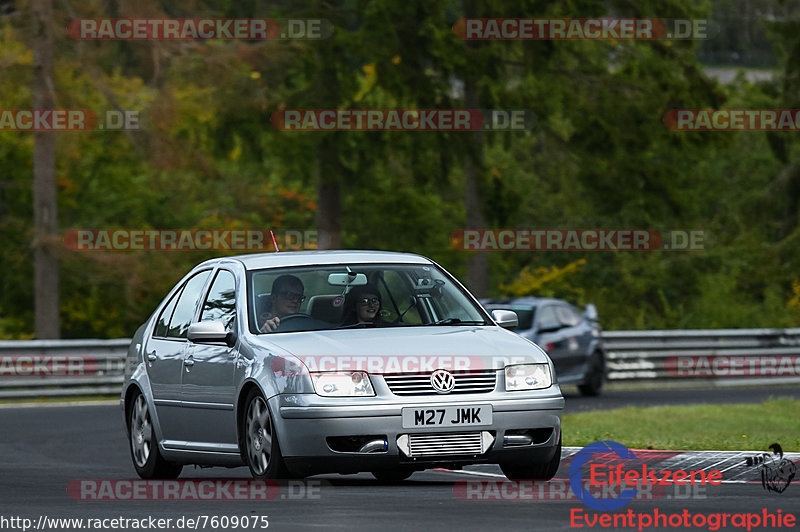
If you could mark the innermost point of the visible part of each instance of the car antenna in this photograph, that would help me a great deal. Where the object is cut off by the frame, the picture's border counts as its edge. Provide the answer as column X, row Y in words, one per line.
column 273, row 241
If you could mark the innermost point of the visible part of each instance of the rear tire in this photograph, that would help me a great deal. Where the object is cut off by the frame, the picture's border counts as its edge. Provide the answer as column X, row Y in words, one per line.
column 146, row 457
column 542, row 471
column 595, row 376
column 260, row 441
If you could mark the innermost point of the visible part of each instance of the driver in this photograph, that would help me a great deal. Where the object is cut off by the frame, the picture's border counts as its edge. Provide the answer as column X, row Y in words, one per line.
column 287, row 295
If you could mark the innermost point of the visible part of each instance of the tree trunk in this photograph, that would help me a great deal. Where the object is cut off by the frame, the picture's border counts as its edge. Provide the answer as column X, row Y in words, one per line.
column 45, row 204
column 477, row 263
column 329, row 205
column 329, row 172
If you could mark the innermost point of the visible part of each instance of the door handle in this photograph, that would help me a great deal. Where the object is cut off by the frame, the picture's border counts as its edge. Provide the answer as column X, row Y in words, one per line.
column 151, row 356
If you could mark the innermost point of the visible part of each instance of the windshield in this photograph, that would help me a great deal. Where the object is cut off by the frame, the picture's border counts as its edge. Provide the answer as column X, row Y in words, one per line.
column 356, row 296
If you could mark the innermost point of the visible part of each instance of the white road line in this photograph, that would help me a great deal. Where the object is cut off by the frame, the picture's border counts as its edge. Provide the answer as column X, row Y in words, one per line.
column 472, row 473
column 739, row 463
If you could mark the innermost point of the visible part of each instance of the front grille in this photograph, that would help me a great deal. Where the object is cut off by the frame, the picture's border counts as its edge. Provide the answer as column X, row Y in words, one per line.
column 420, row 383
column 446, row 444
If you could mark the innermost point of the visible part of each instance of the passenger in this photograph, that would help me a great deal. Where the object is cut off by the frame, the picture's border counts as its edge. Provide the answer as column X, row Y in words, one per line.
column 287, row 296
column 363, row 306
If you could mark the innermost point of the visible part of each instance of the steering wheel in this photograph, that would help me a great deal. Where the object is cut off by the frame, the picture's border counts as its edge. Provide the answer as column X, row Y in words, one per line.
column 296, row 319
column 293, row 316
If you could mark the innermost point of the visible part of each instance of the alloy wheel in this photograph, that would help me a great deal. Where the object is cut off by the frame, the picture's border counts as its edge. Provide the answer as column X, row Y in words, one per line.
column 141, row 431
column 259, row 435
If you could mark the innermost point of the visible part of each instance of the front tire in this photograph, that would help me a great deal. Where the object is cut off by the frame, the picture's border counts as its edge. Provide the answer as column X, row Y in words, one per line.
column 543, row 471
column 595, row 376
column 146, row 457
column 261, row 450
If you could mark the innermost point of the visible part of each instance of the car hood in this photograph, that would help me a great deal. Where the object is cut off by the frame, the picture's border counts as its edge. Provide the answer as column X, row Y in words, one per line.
column 406, row 349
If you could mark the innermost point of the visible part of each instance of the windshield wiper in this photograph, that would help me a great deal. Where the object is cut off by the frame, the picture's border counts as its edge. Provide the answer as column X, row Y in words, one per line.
column 357, row 326
column 458, row 321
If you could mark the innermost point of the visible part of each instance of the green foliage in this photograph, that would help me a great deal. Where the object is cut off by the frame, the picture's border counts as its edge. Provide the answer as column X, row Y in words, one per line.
column 598, row 156
column 546, row 282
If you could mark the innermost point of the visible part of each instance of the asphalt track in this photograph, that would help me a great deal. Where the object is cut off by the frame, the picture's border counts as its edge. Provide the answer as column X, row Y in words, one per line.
column 55, row 459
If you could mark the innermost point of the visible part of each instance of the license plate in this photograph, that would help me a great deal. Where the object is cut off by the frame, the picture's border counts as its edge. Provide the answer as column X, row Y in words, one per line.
column 447, row 416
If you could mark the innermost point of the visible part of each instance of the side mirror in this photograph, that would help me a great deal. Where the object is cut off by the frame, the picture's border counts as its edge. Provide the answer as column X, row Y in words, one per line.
column 507, row 319
column 210, row 332
column 591, row 312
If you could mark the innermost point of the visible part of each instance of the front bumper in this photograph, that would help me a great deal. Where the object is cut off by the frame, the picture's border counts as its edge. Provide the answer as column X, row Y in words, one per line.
column 306, row 423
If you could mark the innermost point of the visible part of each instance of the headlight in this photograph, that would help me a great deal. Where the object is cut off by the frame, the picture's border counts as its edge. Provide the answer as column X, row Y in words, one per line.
column 528, row 377
column 348, row 384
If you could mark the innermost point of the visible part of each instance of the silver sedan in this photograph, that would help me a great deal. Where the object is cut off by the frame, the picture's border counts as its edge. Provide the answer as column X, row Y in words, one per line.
column 295, row 364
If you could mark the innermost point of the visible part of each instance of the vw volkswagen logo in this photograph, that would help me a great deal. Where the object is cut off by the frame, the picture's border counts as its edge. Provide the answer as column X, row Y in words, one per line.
column 442, row 381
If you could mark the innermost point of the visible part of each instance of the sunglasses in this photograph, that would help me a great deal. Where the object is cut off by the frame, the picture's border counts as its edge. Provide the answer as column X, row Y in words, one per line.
column 369, row 301
column 293, row 296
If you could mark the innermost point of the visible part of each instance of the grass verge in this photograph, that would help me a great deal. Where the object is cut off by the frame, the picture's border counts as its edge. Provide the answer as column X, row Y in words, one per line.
column 744, row 427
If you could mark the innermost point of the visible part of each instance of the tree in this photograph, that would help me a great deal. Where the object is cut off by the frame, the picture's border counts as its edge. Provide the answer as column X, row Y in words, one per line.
column 45, row 203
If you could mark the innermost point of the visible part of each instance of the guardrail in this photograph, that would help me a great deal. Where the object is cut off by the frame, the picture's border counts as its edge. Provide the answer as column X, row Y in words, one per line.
column 714, row 356
column 61, row 368
column 718, row 357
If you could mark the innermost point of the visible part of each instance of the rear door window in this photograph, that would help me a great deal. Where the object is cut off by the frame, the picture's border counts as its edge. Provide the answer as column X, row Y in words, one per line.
column 163, row 320
column 548, row 318
column 568, row 316
column 187, row 305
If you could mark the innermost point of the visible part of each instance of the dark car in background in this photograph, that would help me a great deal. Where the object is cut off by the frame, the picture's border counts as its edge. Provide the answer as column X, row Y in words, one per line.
column 572, row 338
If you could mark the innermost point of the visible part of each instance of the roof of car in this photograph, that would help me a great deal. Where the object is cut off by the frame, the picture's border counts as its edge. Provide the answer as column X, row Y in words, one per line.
column 255, row 261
